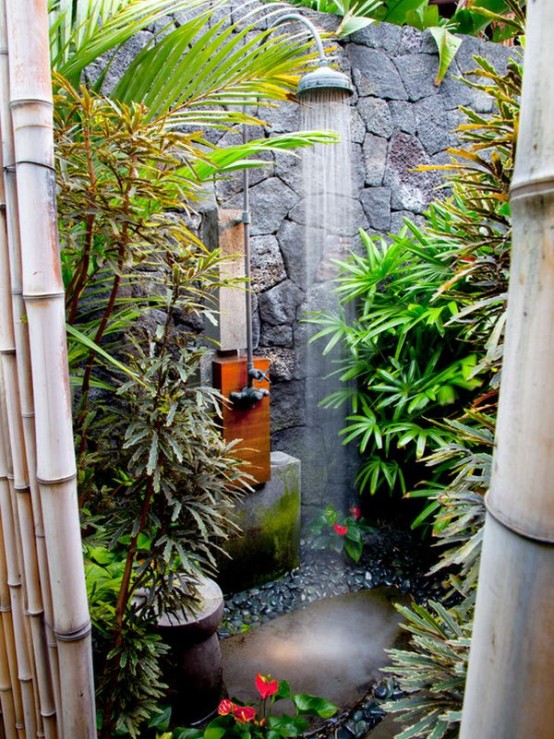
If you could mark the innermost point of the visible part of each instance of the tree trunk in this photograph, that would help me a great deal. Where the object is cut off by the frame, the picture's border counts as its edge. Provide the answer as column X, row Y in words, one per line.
column 511, row 666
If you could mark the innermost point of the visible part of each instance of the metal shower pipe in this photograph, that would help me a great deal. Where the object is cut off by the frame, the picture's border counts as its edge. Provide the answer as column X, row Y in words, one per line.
column 321, row 78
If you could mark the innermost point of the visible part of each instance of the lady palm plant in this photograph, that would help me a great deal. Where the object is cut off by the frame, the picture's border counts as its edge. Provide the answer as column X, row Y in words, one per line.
column 426, row 339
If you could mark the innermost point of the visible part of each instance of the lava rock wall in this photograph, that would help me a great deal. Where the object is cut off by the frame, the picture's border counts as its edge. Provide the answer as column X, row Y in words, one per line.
column 399, row 119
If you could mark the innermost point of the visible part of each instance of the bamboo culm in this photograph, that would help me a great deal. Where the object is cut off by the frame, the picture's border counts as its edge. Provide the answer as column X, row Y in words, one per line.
column 512, row 651
column 55, row 501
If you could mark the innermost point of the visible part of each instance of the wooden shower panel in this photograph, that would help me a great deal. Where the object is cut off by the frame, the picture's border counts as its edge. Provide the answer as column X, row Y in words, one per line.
column 251, row 425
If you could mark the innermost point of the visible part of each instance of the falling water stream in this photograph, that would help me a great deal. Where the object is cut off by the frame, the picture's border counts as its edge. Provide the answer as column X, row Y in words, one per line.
column 327, row 471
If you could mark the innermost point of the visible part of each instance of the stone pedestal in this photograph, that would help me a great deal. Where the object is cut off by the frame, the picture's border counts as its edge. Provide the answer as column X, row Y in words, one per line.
column 269, row 518
column 193, row 670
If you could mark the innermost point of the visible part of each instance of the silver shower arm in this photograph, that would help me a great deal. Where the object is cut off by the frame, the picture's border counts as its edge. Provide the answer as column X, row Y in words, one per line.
column 289, row 17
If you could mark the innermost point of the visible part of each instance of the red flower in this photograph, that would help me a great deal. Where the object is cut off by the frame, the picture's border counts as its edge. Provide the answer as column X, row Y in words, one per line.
column 339, row 529
column 266, row 686
column 355, row 512
column 244, row 714
column 226, row 707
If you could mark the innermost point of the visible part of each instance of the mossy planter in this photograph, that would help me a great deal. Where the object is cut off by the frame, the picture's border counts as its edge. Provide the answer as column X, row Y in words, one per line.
column 269, row 518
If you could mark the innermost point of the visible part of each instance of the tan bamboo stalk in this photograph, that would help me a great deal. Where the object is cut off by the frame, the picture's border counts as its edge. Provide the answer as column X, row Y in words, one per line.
column 8, row 397
column 10, row 695
column 14, row 578
column 511, row 666
column 31, row 106
column 35, row 558
column 9, row 662
column 7, row 719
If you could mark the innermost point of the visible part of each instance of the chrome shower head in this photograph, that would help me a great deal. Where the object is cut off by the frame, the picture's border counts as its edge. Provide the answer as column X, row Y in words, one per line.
column 322, row 78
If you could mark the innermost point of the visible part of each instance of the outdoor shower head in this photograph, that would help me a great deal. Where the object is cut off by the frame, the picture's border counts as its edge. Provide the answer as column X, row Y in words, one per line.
column 322, row 78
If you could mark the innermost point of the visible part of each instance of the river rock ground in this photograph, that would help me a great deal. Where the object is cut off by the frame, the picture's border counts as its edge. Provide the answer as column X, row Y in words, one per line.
column 258, row 637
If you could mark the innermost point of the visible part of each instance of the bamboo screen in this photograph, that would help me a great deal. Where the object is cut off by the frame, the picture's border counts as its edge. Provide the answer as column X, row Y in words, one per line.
column 46, row 685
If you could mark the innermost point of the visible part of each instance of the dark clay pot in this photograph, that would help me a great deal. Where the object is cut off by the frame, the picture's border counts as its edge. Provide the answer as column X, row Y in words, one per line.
column 193, row 668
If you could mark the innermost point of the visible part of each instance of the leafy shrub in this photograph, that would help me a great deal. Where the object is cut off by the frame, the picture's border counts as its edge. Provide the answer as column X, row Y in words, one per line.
column 405, row 357
column 158, row 488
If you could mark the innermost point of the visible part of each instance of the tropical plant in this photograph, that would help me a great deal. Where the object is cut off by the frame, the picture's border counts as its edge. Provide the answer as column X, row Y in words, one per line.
column 432, row 672
column 405, row 358
column 339, row 533
column 238, row 720
column 499, row 20
column 157, row 491
column 199, row 69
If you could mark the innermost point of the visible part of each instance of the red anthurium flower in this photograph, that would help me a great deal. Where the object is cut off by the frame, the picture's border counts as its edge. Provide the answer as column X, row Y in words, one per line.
column 355, row 512
column 266, row 686
column 226, row 707
column 244, row 714
column 340, row 530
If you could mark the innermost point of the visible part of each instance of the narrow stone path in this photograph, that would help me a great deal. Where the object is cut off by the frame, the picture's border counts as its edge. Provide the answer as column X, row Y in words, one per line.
column 333, row 648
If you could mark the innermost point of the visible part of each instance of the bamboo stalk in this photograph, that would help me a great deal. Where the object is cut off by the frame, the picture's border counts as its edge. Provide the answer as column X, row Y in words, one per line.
column 31, row 108
column 30, row 513
column 8, row 409
column 15, row 728
column 511, row 667
column 10, row 696
column 14, row 579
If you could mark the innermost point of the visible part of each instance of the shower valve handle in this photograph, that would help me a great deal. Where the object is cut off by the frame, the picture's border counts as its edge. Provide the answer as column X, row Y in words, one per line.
column 258, row 374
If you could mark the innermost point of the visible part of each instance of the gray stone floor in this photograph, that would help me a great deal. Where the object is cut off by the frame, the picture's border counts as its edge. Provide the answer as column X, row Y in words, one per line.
column 334, row 648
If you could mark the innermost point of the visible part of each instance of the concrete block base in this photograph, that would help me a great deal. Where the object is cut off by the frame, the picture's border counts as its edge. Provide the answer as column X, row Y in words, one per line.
column 269, row 518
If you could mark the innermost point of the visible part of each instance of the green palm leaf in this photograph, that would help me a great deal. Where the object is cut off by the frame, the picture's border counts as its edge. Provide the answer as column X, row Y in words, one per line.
column 83, row 30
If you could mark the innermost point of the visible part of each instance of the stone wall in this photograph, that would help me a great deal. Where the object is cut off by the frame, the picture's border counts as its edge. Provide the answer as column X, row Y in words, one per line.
column 399, row 119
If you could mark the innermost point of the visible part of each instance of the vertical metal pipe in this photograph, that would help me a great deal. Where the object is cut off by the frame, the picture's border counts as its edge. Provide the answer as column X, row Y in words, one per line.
column 247, row 265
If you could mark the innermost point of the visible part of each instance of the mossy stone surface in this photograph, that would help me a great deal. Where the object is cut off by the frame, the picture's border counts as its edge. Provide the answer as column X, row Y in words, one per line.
column 269, row 518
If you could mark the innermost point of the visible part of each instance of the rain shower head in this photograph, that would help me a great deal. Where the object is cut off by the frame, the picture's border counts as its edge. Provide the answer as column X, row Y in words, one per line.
column 322, row 78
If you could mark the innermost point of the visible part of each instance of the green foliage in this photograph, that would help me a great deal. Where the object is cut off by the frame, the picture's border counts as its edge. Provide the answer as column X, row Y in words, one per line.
column 332, row 530
column 433, row 672
column 475, row 225
column 499, row 20
column 191, row 71
column 403, row 353
column 236, row 719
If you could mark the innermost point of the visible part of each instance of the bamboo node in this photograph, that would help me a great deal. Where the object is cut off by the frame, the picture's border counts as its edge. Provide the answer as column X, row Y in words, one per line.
column 75, row 635
column 56, row 481
column 510, row 525
column 532, row 187
column 13, row 167
column 29, row 297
